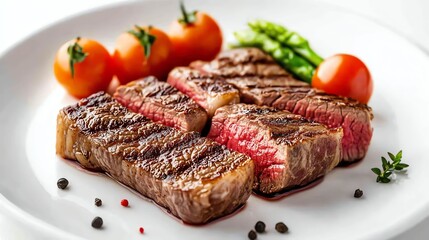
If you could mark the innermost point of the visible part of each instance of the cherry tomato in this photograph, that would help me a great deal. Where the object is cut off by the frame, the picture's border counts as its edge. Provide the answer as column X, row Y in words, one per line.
column 90, row 71
column 141, row 52
column 196, row 36
column 344, row 75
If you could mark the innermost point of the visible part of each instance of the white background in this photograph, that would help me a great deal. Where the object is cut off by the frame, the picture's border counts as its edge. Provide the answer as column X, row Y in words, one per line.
column 19, row 19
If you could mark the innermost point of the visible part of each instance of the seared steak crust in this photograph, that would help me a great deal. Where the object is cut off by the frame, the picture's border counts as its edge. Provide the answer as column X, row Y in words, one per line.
column 246, row 83
column 287, row 149
column 241, row 62
column 162, row 103
column 195, row 178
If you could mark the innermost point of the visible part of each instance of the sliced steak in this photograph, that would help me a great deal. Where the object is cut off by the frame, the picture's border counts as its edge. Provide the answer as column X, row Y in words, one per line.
column 195, row 178
column 246, row 83
column 284, row 92
column 331, row 110
column 209, row 93
column 287, row 149
column 162, row 103
column 241, row 62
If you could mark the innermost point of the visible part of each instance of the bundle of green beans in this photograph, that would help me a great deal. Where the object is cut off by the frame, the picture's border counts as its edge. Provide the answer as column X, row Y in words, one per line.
column 288, row 48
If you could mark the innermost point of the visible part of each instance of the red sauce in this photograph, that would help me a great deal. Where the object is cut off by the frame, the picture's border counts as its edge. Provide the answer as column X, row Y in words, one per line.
column 287, row 192
column 77, row 165
column 343, row 164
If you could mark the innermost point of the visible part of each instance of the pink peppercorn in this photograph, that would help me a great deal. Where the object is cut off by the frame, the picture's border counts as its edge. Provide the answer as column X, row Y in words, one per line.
column 124, row 202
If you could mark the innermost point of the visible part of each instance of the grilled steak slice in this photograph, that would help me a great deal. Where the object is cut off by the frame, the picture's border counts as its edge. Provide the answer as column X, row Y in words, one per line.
column 246, row 83
column 287, row 150
column 162, row 103
column 195, row 178
column 247, row 68
column 285, row 92
column 331, row 110
column 209, row 93
column 241, row 62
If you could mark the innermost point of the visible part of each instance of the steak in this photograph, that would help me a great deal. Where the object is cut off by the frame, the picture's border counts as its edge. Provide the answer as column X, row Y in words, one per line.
column 286, row 93
column 209, row 93
column 162, row 103
column 287, row 150
column 246, row 83
column 331, row 110
column 195, row 178
column 241, row 62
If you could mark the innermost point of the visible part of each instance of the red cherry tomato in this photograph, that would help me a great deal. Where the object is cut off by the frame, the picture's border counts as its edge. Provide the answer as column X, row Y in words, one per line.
column 91, row 72
column 130, row 55
column 196, row 36
column 344, row 75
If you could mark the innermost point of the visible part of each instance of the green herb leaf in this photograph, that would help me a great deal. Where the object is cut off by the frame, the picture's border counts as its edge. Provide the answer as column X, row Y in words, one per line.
column 399, row 155
column 401, row 166
column 76, row 55
column 387, row 174
column 398, row 168
column 378, row 179
column 145, row 39
column 187, row 18
column 376, row 171
column 385, row 180
column 393, row 157
column 389, row 167
column 404, row 165
column 384, row 163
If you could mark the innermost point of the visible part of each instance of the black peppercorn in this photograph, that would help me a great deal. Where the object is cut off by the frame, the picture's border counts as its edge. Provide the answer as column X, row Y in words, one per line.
column 358, row 193
column 260, row 227
column 62, row 183
column 252, row 235
column 98, row 202
column 281, row 227
column 97, row 222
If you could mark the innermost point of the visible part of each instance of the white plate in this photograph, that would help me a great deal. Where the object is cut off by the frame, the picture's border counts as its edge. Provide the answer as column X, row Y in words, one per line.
column 31, row 99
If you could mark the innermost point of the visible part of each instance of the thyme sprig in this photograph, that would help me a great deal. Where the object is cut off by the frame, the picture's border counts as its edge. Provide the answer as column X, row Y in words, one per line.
column 388, row 167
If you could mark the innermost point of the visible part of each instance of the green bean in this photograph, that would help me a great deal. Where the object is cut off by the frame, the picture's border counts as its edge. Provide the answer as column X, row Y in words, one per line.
column 283, row 55
column 287, row 38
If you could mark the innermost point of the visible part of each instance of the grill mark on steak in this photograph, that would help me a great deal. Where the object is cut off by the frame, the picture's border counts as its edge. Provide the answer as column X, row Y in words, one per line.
column 241, row 62
column 120, row 116
column 162, row 103
column 195, row 178
column 244, row 69
column 250, row 82
column 157, row 143
column 244, row 55
column 210, row 84
column 169, row 168
column 241, row 56
column 210, row 158
column 311, row 94
column 287, row 149
column 134, row 133
column 206, row 81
